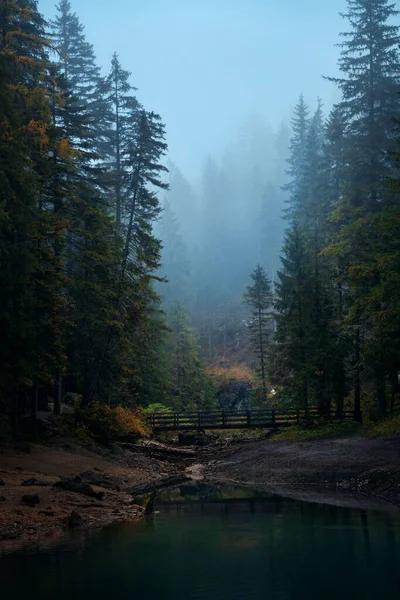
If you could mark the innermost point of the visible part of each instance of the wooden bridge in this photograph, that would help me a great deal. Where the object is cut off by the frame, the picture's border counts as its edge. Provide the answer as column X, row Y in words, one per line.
column 221, row 419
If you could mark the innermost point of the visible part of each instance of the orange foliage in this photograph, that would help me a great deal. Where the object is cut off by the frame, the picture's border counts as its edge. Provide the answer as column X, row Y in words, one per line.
column 39, row 131
column 115, row 423
column 65, row 150
column 224, row 375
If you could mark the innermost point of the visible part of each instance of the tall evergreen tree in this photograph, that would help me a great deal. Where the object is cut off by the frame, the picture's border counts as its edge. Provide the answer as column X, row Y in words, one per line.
column 296, row 160
column 175, row 267
column 83, row 111
column 259, row 298
column 292, row 349
column 189, row 386
column 118, row 93
column 370, row 64
column 31, row 306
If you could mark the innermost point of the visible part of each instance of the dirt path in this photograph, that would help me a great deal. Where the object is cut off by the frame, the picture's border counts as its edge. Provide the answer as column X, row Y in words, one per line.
column 110, row 476
column 355, row 471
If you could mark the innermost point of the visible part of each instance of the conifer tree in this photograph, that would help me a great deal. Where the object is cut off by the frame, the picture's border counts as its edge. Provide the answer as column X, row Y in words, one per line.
column 370, row 84
column 174, row 260
column 30, row 296
column 292, row 348
column 259, row 298
column 296, row 160
column 189, row 386
column 123, row 106
column 83, row 111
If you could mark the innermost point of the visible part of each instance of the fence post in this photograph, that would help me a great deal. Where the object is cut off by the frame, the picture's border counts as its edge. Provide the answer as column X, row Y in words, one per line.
column 248, row 418
column 273, row 417
column 223, row 417
column 298, row 416
column 199, row 424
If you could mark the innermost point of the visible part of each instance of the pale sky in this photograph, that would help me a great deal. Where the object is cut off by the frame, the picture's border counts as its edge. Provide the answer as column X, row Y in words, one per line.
column 205, row 65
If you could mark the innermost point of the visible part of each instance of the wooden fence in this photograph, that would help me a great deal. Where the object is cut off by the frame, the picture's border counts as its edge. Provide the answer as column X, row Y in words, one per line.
column 220, row 419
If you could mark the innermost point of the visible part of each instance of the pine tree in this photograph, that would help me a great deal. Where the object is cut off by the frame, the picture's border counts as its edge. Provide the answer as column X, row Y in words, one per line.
column 31, row 305
column 117, row 91
column 291, row 353
column 296, row 160
column 175, row 268
column 259, row 298
column 370, row 86
column 141, row 250
column 82, row 114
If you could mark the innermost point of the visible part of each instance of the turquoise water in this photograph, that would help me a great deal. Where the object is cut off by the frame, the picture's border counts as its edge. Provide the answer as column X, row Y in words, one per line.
column 216, row 544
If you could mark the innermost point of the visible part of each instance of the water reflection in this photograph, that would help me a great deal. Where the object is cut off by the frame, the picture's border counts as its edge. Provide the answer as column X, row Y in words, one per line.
column 210, row 543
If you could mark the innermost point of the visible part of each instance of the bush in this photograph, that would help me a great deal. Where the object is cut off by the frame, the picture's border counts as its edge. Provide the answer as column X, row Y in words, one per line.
column 385, row 428
column 224, row 375
column 108, row 424
column 157, row 407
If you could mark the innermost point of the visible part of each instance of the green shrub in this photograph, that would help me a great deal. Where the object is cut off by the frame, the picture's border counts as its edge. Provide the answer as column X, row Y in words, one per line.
column 157, row 407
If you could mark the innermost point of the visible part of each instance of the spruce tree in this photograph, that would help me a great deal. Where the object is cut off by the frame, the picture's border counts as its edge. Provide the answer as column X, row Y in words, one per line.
column 123, row 106
column 370, row 85
column 31, row 304
column 292, row 351
column 189, row 387
column 175, row 268
column 296, row 160
column 259, row 298
column 83, row 111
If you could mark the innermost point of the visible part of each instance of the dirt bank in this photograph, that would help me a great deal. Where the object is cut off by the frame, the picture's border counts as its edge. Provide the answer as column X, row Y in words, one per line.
column 99, row 484
column 65, row 477
column 354, row 471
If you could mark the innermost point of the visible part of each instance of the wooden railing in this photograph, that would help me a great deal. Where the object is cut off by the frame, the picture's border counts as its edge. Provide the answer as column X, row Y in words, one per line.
column 220, row 419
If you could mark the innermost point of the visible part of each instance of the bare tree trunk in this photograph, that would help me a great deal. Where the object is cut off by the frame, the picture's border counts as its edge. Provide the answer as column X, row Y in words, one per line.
column 58, row 394
column 34, row 399
column 262, row 360
column 380, row 386
column 357, row 382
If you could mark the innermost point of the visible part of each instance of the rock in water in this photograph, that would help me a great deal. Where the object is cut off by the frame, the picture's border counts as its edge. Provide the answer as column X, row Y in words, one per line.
column 31, row 500
column 74, row 520
column 149, row 510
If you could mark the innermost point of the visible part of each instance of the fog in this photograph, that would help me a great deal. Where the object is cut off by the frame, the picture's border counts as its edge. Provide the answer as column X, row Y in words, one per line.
column 225, row 77
column 206, row 65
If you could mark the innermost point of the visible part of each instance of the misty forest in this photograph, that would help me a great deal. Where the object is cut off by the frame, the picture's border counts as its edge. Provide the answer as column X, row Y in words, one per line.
column 200, row 299
column 271, row 280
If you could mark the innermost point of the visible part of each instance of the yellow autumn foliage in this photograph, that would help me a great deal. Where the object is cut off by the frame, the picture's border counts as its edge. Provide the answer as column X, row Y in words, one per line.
column 115, row 423
column 233, row 373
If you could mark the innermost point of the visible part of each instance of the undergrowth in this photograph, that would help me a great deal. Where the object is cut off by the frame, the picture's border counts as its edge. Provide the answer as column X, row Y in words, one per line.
column 315, row 431
column 384, row 428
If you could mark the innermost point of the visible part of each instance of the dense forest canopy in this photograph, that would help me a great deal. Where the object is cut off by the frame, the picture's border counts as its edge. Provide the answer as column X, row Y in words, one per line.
column 128, row 283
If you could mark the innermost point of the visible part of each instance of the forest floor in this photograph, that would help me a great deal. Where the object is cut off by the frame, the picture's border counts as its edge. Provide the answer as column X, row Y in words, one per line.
column 102, row 485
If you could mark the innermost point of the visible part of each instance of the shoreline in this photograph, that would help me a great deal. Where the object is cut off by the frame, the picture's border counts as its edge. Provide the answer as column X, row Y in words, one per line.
column 101, row 484
column 350, row 470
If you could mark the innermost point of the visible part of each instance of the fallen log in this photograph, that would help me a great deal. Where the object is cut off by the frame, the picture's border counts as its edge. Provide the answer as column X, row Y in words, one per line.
column 158, row 484
column 159, row 450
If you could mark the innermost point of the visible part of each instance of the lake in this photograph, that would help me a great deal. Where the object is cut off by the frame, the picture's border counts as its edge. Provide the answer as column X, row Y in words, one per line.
column 212, row 543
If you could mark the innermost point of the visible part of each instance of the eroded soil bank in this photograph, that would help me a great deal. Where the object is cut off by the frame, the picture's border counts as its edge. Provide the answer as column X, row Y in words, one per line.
column 95, row 483
column 101, row 485
column 351, row 470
